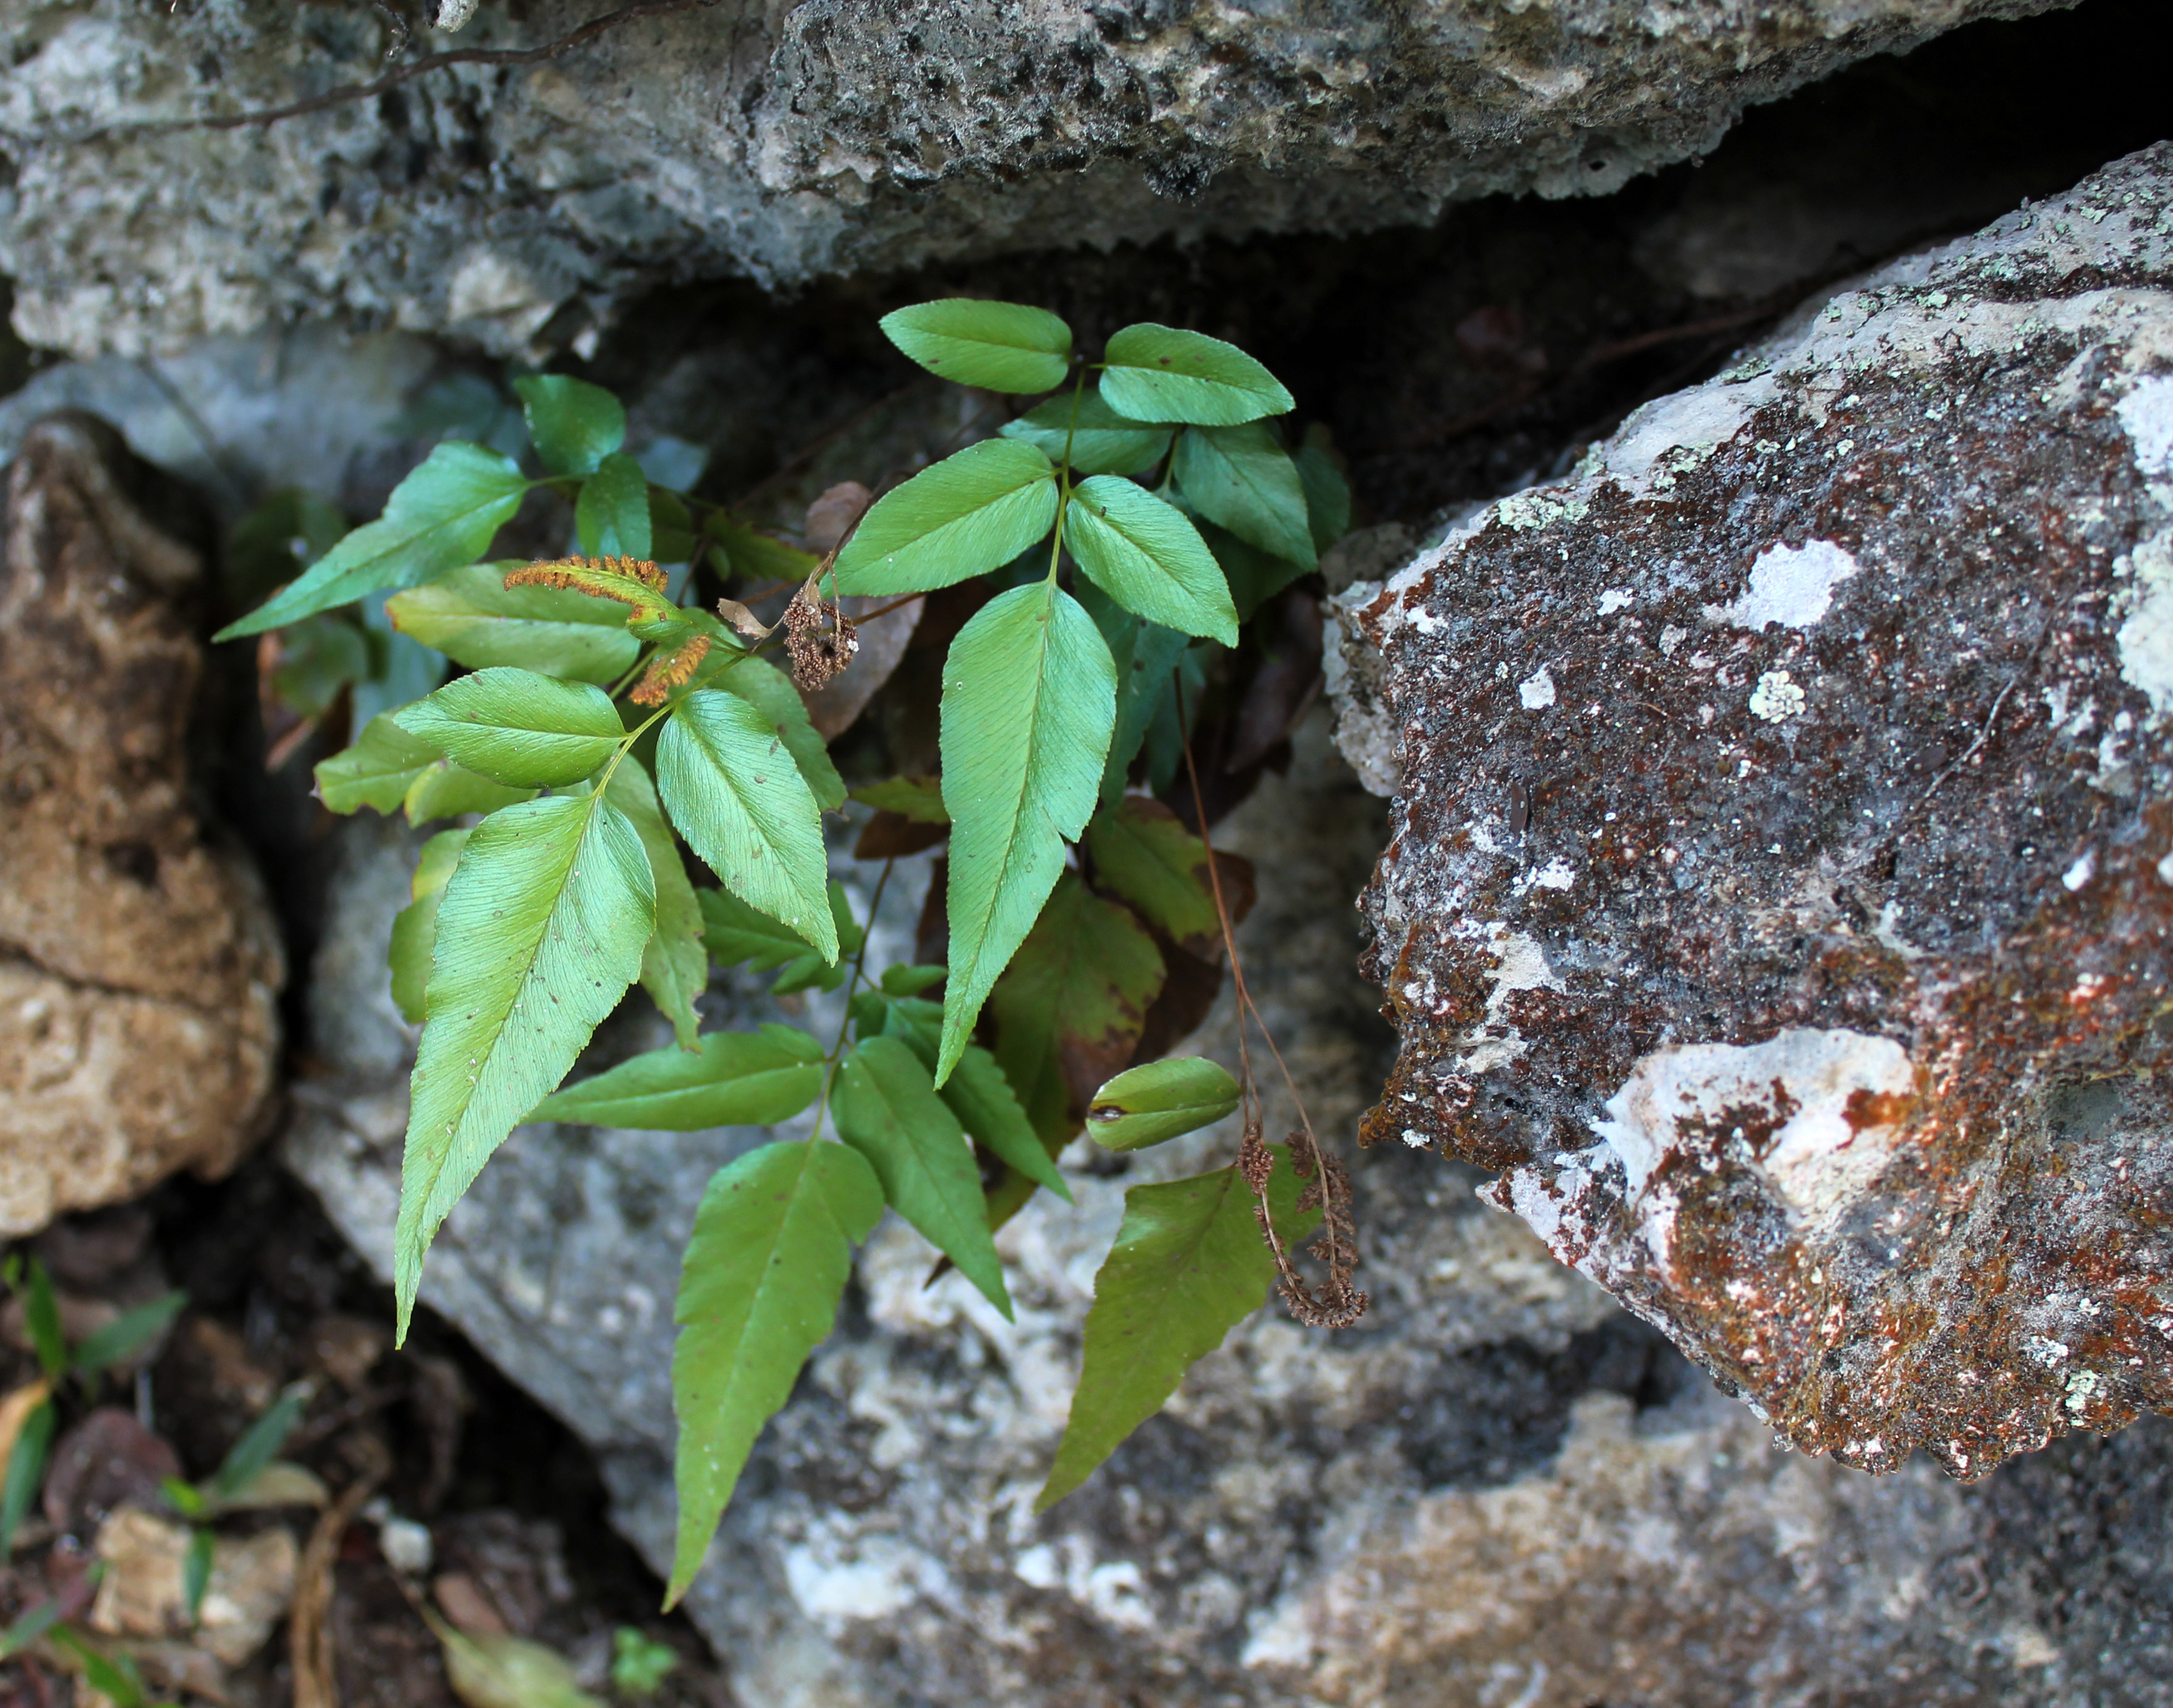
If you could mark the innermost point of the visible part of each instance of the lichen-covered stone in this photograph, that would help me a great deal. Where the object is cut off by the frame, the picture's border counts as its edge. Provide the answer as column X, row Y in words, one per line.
column 1781, row 891
column 139, row 966
column 516, row 205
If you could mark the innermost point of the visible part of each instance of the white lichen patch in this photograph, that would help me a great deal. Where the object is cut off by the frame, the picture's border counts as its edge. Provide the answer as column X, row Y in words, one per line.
column 2146, row 415
column 1520, row 964
column 1791, row 585
column 1776, row 698
column 1831, row 1095
column 1537, row 690
column 2146, row 637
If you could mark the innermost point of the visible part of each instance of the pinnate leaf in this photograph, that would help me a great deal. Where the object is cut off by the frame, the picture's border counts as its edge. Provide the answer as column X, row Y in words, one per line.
column 1001, row 346
column 1143, row 852
column 519, row 728
column 1158, row 373
column 674, row 966
column 887, row 1108
column 1158, row 1101
column 377, row 771
column 415, row 927
column 446, row 790
column 1102, row 442
column 1148, row 558
column 736, row 1079
column 770, row 692
column 977, row 1091
column 1189, row 1265
column 736, row 794
column 1029, row 696
column 770, row 1254
column 971, row 513
column 612, row 516
column 540, row 932
column 1242, row 478
column 1144, row 654
column 736, row 932
column 572, row 424
column 441, row 516
column 475, row 619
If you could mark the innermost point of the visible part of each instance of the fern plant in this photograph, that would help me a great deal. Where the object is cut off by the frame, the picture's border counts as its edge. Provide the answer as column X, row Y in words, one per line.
column 1132, row 520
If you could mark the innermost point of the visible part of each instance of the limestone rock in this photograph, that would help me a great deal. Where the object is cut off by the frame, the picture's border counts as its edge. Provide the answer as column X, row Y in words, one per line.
column 139, row 968
column 513, row 205
column 143, row 1595
column 1781, row 888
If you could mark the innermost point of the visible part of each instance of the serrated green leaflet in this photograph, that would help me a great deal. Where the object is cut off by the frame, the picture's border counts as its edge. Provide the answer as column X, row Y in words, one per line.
column 970, row 514
column 1001, row 346
column 1102, row 442
column 1189, row 1265
column 770, row 1254
column 540, row 932
column 475, row 619
column 572, row 424
column 1242, row 479
column 1149, row 558
column 610, row 517
column 734, row 932
column 1327, row 493
column 1143, row 852
column 1072, row 1003
column 1162, row 374
column 977, row 1091
column 1029, row 696
column 886, row 1107
column 519, row 728
column 734, row 794
column 1255, row 576
column 1158, row 1101
column 446, row 790
column 736, row 1079
column 377, row 771
column 674, row 966
column 919, row 799
column 770, row 692
column 441, row 516
column 1144, row 654
column 415, row 926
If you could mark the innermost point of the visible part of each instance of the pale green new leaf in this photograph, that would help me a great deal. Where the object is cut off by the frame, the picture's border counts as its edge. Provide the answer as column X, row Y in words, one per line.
column 539, row 933
column 415, row 926
column 519, row 728
column 377, row 771
column 1189, row 1265
column 969, row 515
column 1241, row 477
column 441, row 516
column 1159, row 372
column 1029, row 696
column 572, row 424
column 769, row 1256
column 1000, row 347
column 475, row 619
column 1158, row 1101
column 611, row 517
column 736, row 1079
column 675, row 965
column 1148, row 557
column 734, row 794
column 1102, row 442
column 887, row 1108
column 446, row 790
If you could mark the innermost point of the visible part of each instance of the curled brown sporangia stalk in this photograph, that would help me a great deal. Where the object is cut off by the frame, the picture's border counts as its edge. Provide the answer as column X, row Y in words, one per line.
column 819, row 639
column 581, row 574
column 670, row 669
column 1336, row 1303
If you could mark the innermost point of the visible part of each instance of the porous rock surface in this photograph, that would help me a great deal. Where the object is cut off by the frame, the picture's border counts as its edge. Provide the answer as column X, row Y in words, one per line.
column 139, row 966
column 1499, row 1489
column 514, row 205
column 1781, row 886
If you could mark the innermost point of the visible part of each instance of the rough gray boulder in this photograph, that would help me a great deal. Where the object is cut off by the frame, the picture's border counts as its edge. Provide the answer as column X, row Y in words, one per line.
column 1781, row 886
column 516, row 206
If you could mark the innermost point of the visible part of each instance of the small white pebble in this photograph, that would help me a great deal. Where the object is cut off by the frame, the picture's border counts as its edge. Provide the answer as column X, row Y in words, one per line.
column 405, row 1545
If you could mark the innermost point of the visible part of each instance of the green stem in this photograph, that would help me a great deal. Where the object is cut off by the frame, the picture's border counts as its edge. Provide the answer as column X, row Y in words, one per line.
column 837, row 1055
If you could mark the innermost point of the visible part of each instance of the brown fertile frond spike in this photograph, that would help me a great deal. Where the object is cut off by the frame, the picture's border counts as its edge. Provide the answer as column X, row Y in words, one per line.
column 670, row 669
column 629, row 580
column 636, row 568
